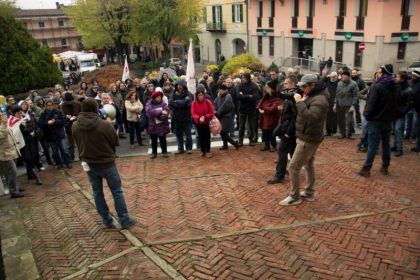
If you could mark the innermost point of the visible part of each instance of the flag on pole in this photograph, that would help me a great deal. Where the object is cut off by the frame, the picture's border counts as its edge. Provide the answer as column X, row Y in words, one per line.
column 126, row 71
column 191, row 70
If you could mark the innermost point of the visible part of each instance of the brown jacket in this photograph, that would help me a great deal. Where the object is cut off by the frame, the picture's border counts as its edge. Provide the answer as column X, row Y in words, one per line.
column 96, row 139
column 311, row 116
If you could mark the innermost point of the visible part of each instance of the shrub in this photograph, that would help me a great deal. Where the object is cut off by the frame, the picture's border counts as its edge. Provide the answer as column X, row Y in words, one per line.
column 246, row 60
column 24, row 63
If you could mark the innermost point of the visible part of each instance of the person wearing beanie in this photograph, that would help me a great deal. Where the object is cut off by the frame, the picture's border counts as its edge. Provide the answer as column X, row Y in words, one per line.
column 345, row 101
column 180, row 104
column 71, row 109
column 380, row 111
column 96, row 140
column 52, row 122
column 157, row 113
column 248, row 96
column 202, row 112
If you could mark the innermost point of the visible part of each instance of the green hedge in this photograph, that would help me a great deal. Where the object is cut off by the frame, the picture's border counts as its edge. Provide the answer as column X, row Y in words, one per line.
column 25, row 65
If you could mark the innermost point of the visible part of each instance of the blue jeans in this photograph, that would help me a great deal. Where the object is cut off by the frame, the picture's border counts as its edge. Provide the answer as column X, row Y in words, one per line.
column 378, row 132
column 411, row 123
column 60, row 153
column 113, row 180
column 182, row 128
column 267, row 135
column 399, row 125
column 365, row 133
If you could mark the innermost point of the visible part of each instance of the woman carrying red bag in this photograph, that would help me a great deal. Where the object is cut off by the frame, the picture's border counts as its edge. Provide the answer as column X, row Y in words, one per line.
column 202, row 112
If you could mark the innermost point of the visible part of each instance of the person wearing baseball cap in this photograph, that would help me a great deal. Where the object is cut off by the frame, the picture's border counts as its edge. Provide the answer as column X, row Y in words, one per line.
column 312, row 111
column 380, row 111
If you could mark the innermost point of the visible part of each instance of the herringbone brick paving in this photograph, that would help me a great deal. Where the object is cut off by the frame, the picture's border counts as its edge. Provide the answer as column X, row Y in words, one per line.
column 192, row 197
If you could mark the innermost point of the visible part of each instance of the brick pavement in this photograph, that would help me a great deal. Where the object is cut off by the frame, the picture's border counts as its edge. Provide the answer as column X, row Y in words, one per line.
column 217, row 219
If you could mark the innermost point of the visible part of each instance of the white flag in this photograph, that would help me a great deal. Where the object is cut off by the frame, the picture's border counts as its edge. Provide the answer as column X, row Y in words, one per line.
column 126, row 71
column 191, row 70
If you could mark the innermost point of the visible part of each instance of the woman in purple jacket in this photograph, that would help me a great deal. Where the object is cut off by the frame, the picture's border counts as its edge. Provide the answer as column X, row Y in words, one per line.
column 157, row 112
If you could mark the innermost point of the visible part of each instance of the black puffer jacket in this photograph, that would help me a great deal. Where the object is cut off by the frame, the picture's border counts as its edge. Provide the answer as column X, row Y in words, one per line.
column 404, row 99
column 180, row 103
column 287, row 122
column 381, row 104
column 249, row 99
column 416, row 94
column 311, row 115
column 56, row 131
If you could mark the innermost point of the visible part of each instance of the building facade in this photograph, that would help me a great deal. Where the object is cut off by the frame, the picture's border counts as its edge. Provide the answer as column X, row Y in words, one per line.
column 51, row 28
column 224, row 31
column 357, row 33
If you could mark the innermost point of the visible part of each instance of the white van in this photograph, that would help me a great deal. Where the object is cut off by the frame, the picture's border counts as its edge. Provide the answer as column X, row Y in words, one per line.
column 87, row 62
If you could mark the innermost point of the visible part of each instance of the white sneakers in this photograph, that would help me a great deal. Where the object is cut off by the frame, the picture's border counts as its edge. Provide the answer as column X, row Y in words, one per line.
column 293, row 201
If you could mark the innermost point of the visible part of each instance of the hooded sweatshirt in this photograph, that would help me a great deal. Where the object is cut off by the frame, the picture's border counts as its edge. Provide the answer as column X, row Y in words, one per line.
column 180, row 103
column 96, row 140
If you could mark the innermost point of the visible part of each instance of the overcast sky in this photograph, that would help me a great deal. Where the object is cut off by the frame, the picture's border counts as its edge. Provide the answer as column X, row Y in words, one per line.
column 40, row 4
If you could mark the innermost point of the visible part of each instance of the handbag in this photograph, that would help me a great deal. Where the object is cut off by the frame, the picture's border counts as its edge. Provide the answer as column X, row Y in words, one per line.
column 215, row 126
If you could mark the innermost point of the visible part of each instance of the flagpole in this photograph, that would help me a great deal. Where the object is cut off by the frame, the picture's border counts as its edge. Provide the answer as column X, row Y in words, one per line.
column 191, row 69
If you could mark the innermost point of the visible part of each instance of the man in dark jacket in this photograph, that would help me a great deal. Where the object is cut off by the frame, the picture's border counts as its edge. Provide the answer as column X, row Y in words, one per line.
column 403, row 105
column 355, row 76
column 331, row 123
column 52, row 123
column 180, row 104
column 286, row 128
column 310, row 121
column 71, row 109
column 98, row 160
column 248, row 97
column 416, row 104
column 380, row 112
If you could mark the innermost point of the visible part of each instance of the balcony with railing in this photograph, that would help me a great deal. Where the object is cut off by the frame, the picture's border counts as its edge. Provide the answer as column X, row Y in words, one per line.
column 405, row 23
column 216, row 27
column 360, row 23
column 340, row 23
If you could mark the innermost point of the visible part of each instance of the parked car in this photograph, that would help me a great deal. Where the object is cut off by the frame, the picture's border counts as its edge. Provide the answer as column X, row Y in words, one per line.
column 414, row 66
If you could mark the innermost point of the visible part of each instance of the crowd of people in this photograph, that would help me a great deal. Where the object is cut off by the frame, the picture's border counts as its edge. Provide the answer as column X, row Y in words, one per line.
column 300, row 110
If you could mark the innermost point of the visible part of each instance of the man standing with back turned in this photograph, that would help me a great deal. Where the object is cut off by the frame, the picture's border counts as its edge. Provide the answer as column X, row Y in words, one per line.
column 96, row 140
column 312, row 111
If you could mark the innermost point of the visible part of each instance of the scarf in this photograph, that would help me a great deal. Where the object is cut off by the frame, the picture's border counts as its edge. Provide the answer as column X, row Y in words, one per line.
column 13, row 121
column 385, row 79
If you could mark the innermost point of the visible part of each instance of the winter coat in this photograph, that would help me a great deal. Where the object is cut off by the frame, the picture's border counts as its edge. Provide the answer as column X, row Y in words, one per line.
column 158, row 122
column 202, row 109
column 332, row 89
column 248, row 100
column 14, row 125
column 381, row 104
column 180, row 104
column 287, row 122
column 133, row 110
column 96, row 139
column 70, row 108
column 224, row 108
column 311, row 116
column 117, row 99
column 346, row 93
column 30, row 135
column 9, row 145
column 234, row 93
column 406, row 95
column 270, row 118
column 360, row 83
column 416, row 94
column 55, row 132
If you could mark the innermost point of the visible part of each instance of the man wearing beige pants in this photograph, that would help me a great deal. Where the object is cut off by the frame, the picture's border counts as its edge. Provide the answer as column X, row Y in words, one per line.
column 312, row 111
